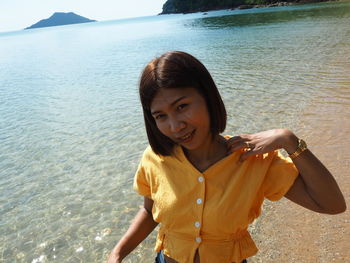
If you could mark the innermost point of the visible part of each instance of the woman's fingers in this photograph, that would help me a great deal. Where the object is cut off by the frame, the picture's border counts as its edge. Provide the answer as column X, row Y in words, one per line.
column 246, row 154
column 257, row 143
column 239, row 142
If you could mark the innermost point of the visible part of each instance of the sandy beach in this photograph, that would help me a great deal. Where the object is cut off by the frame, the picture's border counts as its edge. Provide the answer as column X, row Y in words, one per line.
column 287, row 232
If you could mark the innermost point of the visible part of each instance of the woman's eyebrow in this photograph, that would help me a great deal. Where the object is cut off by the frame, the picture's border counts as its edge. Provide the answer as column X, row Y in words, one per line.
column 171, row 104
column 177, row 100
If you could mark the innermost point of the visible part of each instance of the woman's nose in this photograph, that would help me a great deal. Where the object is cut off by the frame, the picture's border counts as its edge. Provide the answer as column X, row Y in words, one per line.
column 176, row 125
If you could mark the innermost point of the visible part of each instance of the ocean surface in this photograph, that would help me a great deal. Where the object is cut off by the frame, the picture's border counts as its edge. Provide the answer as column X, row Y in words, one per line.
column 71, row 126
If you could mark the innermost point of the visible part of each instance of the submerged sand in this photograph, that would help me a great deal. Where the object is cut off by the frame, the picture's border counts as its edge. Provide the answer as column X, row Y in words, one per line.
column 287, row 232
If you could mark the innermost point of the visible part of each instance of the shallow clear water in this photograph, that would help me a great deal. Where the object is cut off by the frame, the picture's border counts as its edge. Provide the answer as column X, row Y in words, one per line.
column 71, row 129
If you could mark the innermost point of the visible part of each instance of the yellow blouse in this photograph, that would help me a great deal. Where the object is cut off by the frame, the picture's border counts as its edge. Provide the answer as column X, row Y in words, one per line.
column 210, row 211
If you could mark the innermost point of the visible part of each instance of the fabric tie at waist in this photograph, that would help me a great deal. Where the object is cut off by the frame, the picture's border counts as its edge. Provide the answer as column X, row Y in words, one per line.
column 206, row 237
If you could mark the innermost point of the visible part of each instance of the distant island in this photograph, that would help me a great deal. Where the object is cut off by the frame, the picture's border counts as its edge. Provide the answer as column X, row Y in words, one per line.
column 191, row 6
column 59, row 19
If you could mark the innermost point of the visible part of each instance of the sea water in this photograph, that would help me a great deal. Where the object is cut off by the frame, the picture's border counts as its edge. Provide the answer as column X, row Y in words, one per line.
column 71, row 126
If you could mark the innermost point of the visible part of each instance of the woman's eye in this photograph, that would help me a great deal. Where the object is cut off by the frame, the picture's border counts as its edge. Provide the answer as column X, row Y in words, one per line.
column 159, row 117
column 180, row 107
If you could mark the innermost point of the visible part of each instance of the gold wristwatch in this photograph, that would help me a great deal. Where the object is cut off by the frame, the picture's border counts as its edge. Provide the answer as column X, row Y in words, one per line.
column 301, row 147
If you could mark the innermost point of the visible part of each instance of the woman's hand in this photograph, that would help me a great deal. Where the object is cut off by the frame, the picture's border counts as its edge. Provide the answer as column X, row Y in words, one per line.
column 140, row 228
column 315, row 188
column 113, row 257
column 263, row 142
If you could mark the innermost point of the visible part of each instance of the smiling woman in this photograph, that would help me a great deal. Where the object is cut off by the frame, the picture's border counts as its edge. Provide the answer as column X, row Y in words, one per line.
column 163, row 76
column 205, row 189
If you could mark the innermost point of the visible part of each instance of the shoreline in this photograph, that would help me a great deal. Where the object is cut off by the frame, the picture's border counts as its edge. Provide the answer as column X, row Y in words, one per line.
column 248, row 6
column 302, row 2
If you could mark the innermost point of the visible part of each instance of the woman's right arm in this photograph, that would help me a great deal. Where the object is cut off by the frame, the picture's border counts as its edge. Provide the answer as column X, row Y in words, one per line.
column 139, row 229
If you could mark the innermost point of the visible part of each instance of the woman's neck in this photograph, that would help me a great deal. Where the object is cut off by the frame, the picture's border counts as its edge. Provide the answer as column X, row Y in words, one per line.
column 210, row 153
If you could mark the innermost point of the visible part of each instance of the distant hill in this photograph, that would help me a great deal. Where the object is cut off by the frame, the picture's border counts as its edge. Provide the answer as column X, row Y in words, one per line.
column 189, row 6
column 59, row 18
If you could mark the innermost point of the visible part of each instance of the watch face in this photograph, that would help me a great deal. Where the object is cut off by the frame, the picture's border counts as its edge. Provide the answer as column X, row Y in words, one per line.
column 303, row 145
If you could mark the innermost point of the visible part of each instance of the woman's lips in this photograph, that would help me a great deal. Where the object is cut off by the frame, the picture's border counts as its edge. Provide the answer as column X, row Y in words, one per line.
column 186, row 138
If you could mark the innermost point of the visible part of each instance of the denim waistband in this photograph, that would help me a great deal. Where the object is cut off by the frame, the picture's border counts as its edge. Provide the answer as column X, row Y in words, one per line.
column 160, row 257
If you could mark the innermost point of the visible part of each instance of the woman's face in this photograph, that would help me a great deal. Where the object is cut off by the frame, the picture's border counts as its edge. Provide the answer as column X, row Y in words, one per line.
column 182, row 115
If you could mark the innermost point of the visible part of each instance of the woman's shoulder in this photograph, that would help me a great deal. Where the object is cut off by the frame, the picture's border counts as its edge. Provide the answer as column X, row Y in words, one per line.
column 150, row 156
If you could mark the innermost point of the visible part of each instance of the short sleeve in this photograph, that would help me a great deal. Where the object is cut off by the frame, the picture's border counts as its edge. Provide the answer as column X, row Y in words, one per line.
column 141, row 183
column 280, row 177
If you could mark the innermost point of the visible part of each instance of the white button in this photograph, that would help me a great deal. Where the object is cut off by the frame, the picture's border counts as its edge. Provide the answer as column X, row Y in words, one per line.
column 200, row 179
column 199, row 201
column 197, row 224
column 198, row 239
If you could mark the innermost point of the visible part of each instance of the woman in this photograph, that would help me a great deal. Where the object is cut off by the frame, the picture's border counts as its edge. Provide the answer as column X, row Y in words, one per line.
column 203, row 188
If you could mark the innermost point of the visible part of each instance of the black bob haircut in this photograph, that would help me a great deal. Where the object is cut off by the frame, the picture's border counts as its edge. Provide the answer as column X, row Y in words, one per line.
column 176, row 69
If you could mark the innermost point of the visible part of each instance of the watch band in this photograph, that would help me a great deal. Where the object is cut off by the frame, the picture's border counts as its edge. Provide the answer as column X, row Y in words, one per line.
column 301, row 147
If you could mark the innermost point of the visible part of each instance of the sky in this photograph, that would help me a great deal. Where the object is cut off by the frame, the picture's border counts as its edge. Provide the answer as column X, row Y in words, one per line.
column 19, row 14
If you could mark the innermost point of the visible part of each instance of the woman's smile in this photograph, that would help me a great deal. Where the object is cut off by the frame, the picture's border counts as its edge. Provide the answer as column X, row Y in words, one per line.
column 186, row 138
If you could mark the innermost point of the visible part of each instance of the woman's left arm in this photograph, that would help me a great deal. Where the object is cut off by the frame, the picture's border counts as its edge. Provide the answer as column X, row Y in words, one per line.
column 315, row 188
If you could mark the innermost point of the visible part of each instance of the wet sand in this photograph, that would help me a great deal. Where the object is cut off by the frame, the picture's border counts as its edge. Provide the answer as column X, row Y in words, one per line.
column 287, row 232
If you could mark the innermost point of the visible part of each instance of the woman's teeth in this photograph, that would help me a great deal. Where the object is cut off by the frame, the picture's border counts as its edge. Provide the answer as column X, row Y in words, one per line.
column 186, row 136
